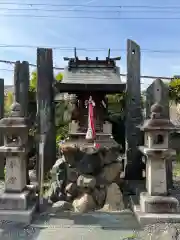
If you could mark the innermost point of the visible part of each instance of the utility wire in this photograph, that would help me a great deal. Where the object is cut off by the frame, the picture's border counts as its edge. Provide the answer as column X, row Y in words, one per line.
column 90, row 6
column 87, row 17
column 68, row 48
column 93, row 11
column 58, row 68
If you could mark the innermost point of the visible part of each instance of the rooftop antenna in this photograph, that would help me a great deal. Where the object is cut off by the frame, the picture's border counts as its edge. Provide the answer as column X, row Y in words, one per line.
column 75, row 53
column 116, row 58
column 66, row 59
column 109, row 53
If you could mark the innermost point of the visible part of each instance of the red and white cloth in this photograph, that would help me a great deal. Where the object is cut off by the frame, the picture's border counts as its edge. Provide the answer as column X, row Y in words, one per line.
column 91, row 133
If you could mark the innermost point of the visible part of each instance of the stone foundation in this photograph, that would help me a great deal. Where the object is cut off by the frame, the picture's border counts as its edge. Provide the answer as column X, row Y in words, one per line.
column 158, row 204
column 83, row 175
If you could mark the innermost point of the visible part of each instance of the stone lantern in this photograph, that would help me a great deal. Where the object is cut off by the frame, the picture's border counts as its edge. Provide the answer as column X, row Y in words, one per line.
column 17, row 203
column 156, row 148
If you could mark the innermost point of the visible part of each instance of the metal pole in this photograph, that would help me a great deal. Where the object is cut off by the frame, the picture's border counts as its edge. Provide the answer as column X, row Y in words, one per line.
column 41, row 171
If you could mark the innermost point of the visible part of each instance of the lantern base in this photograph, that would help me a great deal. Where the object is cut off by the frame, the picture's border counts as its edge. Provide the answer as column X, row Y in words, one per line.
column 17, row 207
column 18, row 216
column 153, row 214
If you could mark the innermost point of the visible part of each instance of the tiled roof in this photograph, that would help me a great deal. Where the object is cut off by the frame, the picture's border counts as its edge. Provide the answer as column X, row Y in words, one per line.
column 92, row 76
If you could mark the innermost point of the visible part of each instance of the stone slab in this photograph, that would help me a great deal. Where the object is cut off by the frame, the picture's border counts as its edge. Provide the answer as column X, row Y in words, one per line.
column 151, row 218
column 18, row 216
column 16, row 201
column 158, row 204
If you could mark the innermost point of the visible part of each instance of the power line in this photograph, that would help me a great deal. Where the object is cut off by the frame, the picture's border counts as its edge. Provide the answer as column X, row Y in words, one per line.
column 122, row 74
column 88, row 17
column 30, row 64
column 121, row 10
column 90, row 6
column 5, row 69
column 68, row 48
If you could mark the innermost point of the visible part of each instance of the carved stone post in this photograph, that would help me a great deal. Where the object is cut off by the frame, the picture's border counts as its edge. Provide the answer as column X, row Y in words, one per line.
column 24, row 87
column 2, row 160
column 158, row 92
column 21, row 85
column 45, row 102
column 21, row 89
column 16, row 81
column 133, row 113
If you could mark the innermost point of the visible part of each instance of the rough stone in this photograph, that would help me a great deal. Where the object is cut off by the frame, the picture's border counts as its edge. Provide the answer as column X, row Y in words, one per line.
column 86, row 181
column 109, row 173
column 59, row 164
column 61, row 206
column 70, row 154
column 84, row 203
column 32, row 176
column 114, row 199
column 69, row 197
column 55, row 193
column 71, row 188
column 99, row 196
column 90, row 163
column 72, row 174
column 110, row 156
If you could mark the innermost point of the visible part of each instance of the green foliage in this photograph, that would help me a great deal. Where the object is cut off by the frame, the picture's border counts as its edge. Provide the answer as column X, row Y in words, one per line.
column 174, row 90
column 61, row 126
column 59, row 77
column 8, row 102
column 116, row 106
column 33, row 82
column 60, row 108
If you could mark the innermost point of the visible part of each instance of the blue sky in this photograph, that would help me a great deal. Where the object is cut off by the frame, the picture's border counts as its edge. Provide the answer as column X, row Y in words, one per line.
column 92, row 33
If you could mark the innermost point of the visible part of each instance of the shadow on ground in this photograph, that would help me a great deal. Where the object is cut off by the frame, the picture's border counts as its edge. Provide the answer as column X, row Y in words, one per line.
column 123, row 220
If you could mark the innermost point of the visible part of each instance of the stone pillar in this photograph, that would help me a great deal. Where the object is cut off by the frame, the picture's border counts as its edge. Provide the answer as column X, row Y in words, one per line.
column 21, row 85
column 133, row 113
column 2, row 159
column 16, row 81
column 24, row 87
column 21, row 92
column 45, row 102
column 159, row 92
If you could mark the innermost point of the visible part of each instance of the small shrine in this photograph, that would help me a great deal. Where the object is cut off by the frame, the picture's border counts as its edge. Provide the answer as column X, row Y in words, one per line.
column 156, row 204
column 90, row 154
column 89, row 81
column 17, row 202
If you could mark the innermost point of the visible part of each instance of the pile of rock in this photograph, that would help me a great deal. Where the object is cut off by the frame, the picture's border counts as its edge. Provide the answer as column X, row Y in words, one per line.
column 82, row 176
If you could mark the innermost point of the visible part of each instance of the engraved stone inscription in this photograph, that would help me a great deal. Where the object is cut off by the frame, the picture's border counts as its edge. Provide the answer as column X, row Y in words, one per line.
column 160, row 207
column 15, row 174
column 157, row 177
